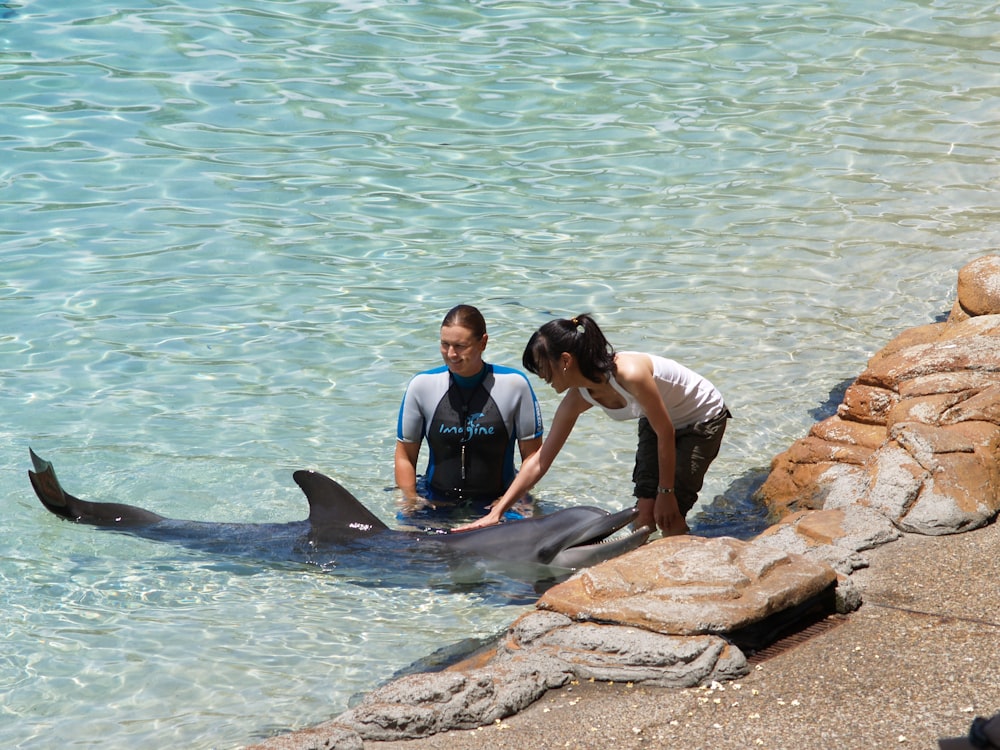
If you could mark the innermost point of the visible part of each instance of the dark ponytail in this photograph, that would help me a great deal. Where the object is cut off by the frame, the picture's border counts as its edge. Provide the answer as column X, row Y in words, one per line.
column 581, row 337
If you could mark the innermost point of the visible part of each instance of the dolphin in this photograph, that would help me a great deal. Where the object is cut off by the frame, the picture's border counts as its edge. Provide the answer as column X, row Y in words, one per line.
column 546, row 548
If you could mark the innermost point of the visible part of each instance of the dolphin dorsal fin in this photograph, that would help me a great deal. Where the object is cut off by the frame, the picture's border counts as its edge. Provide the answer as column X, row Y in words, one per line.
column 332, row 505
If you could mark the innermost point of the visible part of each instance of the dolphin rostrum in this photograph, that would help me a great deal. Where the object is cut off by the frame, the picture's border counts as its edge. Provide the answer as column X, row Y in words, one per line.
column 538, row 549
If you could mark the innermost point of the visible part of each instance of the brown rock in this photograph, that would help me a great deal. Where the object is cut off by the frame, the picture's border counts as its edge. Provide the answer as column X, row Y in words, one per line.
column 984, row 325
column 814, row 449
column 923, row 440
column 800, row 477
column 867, row 404
column 947, row 382
column 983, row 406
column 625, row 654
column 937, row 479
column 957, row 314
column 925, row 334
column 853, row 527
column 979, row 286
column 846, row 433
column 928, row 405
column 895, row 479
column 691, row 586
column 792, row 486
column 819, row 526
column 967, row 480
column 976, row 353
column 925, row 409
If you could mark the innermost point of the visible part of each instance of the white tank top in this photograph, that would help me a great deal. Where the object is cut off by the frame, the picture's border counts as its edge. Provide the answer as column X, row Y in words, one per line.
column 688, row 396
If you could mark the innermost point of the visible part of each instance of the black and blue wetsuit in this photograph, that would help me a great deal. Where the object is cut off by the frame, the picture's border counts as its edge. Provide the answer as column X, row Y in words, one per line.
column 471, row 426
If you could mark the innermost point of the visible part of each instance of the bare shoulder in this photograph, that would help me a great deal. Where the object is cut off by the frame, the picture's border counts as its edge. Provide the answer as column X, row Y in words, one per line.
column 572, row 401
column 633, row 367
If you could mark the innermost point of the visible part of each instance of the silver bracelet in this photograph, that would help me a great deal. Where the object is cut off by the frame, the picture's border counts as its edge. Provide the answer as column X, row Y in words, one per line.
column 665, row 490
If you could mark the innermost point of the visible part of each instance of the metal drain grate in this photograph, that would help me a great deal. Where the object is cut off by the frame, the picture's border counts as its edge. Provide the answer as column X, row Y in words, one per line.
column 792, row 640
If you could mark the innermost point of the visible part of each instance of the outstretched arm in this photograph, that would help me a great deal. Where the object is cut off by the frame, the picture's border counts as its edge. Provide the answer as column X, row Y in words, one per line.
column 534, row 467
column 529, row 447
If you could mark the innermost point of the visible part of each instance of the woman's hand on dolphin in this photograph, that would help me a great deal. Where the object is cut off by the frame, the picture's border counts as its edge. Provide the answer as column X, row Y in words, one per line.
column 490, row 519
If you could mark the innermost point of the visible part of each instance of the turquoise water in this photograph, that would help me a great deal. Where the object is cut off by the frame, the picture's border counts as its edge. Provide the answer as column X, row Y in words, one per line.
column 229, row 233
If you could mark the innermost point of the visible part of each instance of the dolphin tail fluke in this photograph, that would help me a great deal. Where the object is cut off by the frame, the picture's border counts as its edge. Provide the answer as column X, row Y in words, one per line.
column 61, row 503
column 47, row 487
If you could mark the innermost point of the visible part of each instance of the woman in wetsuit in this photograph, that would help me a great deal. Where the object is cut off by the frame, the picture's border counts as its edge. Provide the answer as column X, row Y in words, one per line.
column 471, row 414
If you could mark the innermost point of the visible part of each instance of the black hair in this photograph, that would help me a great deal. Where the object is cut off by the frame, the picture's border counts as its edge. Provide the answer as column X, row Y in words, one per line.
column 466, row 316
column 581, row 337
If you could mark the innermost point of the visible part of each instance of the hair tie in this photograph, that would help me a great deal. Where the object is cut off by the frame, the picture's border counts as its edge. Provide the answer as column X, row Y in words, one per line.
column 575, row 321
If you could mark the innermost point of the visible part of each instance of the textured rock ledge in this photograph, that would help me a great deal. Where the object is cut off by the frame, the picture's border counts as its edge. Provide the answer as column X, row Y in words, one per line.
column 917, row 437
column 914, row 446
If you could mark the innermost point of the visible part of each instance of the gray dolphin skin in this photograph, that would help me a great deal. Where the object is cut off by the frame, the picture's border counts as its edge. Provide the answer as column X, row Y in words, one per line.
column 549, row 547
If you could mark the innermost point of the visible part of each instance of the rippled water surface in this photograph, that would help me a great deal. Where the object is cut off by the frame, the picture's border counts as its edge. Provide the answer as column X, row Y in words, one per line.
column 229, row 233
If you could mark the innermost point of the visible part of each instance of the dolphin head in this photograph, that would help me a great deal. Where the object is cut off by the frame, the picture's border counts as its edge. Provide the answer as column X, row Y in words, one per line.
column 588, row 541
column 570, row 538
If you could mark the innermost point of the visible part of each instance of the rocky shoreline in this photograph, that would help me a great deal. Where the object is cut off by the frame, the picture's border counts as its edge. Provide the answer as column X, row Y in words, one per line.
column 913, row 448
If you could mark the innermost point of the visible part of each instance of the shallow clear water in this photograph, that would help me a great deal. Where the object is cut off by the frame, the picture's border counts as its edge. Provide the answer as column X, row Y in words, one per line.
column 229, row 233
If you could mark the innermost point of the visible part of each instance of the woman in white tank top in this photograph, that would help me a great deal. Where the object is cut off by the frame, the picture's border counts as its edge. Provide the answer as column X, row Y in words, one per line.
column 682, row 418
